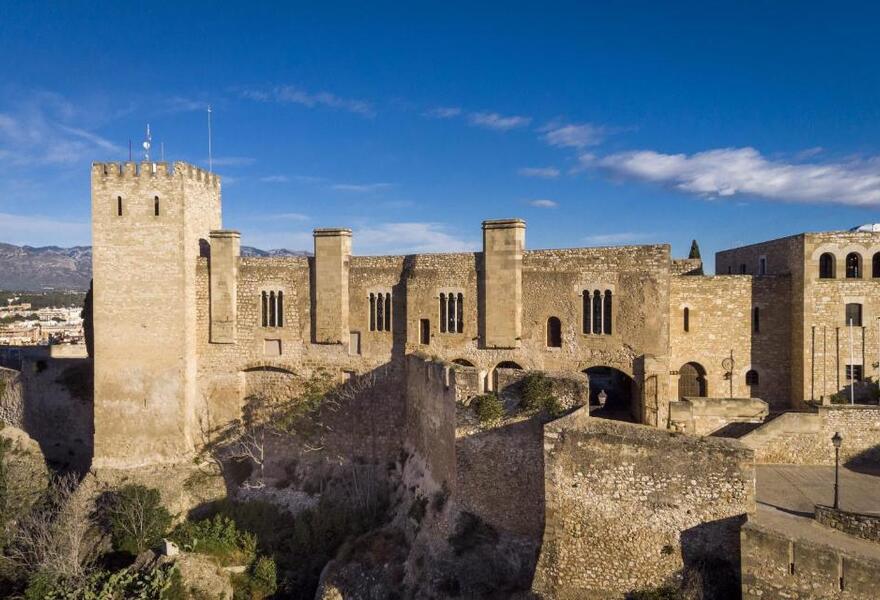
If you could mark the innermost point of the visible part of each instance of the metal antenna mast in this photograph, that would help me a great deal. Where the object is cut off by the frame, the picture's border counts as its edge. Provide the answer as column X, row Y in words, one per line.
column 148, row 142
column 210, row 156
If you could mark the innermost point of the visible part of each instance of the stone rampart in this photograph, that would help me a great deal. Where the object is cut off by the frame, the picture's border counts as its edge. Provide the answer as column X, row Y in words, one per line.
column 430, row 415
column 702, row 416
column 860, row 525
column 784, row 557
column 805, row 438
column 629, row 506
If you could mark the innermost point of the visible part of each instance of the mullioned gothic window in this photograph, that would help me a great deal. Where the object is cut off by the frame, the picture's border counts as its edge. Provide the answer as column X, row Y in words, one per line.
column 272, row 309
column 597, row 312
column 451, row 312
column 380, row 311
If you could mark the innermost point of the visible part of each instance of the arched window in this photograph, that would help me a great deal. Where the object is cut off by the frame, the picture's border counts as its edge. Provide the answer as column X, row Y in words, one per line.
column 442, row 313
column 156, row 206
column 606, row 316
column 451, row 313
column 752, row 377
column 272, row 309
column 380, row 311
column 597, row 312
column 587, row 311
column 554, row 333
column 827, row 264
column 459, row 314
column 853, row 265
column 687, row 319
column 756, row 320
column 875, row 265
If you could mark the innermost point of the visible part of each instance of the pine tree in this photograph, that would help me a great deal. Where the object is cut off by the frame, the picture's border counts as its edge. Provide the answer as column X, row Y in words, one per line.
column 695, row 250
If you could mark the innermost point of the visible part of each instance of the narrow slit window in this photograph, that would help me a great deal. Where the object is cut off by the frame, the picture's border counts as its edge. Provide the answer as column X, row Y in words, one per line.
column 387, row 312
column 280, row 309
column 450, row 313
column 372, row 312
column 380, row 313
column 597, row 312
column 272, row 309
column 606, row 314
column 459, row 314
column 756, row 320
column 118, row 206
column 442, row 313
column 587, row 310
column 156, row 206
column 265, row 309
column 687, row 319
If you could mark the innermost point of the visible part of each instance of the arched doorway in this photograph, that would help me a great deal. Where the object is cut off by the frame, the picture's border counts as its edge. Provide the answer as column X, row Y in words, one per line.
column 618, row 388
column 462, row 362
column 500, row 380
column 692, row 381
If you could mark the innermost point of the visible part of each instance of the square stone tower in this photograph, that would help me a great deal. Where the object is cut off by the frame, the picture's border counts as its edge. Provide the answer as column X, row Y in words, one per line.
column 150, row 223
column 504, row 242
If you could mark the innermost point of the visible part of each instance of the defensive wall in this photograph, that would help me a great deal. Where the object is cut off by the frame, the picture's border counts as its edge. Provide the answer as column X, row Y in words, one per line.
column 629, row 506
column 785, row 556
column 805, row 437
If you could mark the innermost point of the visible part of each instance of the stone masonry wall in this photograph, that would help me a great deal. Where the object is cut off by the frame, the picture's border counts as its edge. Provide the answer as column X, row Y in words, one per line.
column 805, row 438
column 628, row 506
column 720, row 321
column 779, row 563
column 860, row 525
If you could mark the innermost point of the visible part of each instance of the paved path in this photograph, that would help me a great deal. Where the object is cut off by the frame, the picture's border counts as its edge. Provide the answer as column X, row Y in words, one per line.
column 798, row 489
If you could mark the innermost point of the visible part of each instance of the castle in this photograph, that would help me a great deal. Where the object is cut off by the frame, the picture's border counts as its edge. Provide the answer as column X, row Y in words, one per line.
column 183, row 323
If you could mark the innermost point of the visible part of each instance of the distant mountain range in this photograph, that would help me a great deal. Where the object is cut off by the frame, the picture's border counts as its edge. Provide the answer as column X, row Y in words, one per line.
column 26, row 268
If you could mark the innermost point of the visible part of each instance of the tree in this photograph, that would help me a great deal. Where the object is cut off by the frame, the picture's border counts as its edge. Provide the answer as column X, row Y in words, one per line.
column 137, row 518
column 695, row 250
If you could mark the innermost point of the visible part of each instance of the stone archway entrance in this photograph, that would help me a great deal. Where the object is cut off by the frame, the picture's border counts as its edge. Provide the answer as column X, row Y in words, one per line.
column 500, row 380
column 618, row 388
column 692, row 381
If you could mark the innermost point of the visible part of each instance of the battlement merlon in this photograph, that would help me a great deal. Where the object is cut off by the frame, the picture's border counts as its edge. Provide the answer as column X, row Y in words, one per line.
column 149, row 170
column 504, row 224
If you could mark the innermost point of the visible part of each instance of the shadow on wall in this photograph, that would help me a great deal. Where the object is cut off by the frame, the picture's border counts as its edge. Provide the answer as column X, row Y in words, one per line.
column 866, row 462
column 705, row 570
column 58, row 406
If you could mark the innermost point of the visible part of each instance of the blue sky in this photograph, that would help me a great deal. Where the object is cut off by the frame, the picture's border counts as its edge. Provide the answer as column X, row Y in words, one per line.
column 600, row 125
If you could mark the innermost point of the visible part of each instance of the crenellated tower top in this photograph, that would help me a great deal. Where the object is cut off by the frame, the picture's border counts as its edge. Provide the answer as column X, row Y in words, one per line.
column 149, row 170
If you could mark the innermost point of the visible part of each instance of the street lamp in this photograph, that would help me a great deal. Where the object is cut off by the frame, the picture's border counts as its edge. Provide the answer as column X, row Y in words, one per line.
column 837, row 439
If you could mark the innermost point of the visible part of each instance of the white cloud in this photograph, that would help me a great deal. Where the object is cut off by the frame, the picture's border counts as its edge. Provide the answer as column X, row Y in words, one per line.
column 289, row 94
column 542, row 172
column 573, row 135
column 361, row 188
column 275, row 179
column 43, row 231
column 623, row 237
column 492, row 120
column 543, row 203
column 443, row 112
column 731, row 171
column 37, row 128
column 408, row 238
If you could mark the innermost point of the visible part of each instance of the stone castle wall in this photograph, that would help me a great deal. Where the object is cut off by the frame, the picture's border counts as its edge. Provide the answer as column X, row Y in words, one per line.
column 785, row 557
column 628, row 506
column 805, row 438
column 721, row 322
column 860, row 525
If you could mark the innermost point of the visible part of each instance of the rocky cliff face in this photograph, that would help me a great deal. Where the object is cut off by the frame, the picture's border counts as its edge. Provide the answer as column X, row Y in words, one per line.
column 25, row 268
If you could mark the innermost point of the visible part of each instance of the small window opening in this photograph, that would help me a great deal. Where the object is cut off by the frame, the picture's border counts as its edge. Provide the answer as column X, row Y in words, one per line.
column 854, row 372
column 853, row 314
column 756, row 320
column 424, row 331
column 687, row 319
column 156, row 206
column 826, row 266
column 853, row 265
column 752, row 377
column 118, row 206
column 554, row 333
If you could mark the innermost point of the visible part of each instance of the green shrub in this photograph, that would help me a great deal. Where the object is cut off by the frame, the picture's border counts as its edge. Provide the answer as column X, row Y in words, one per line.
column 218, row 537
column 488, row 409
column 130, row 584
column 258, row 582
column 537, row 395
column 138, row 521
